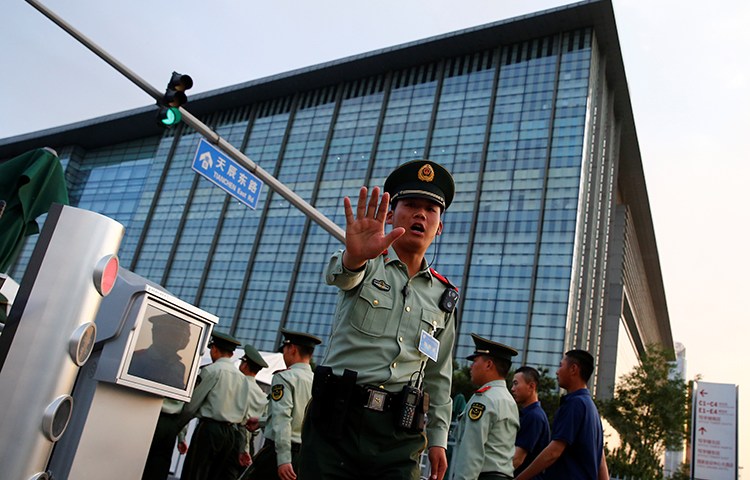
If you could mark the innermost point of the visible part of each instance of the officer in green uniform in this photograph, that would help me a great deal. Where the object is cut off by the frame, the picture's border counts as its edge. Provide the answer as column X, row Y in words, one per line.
column 290, row 393
column 367, row 415
column 487, row 429
column 220, row 403
column 250, row 364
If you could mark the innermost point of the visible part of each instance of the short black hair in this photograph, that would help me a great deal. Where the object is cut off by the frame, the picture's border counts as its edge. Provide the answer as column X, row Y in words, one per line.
column 502, row 365
column 305, row 350
column 222, row 347
column 584, row 360
column 530, row 374
column 252, row 366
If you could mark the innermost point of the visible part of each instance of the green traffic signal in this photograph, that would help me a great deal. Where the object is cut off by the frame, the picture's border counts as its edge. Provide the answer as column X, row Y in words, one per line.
column 169, row 116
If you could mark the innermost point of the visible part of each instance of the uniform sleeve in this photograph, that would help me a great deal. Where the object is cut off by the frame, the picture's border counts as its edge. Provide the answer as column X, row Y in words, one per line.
column 438, row 379
column 256, row 406
column 567, row 422
column 280, row 418
column 469, row 453
column 207, row 379
column 337, row 275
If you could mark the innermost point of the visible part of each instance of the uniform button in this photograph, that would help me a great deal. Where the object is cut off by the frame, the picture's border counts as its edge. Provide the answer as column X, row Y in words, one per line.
column 400, row 339
column 375, row 302
column 434, row 323
column 393, row 365
column 408, row 309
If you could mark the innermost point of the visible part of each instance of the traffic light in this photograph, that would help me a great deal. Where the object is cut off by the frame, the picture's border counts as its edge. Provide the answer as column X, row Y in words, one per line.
column 174, row 96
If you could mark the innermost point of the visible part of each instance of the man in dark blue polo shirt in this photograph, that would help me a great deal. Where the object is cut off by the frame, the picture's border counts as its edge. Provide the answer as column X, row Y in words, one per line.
column 533, row 435
column 576, row 451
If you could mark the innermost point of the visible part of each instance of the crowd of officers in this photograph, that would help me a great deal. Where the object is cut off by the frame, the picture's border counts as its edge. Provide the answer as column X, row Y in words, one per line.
column 381, row 394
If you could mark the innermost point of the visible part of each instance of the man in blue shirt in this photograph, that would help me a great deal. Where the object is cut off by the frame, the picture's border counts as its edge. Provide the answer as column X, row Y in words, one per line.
column 577, row 447
column 533, row 435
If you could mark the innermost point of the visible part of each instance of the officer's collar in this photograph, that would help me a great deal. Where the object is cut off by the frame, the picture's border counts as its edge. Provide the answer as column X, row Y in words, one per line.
column 390, row 256
column 299, row 365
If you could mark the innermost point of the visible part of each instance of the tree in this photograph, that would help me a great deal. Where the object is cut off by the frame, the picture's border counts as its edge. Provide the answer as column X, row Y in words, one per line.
column 649, row 410
column 549, row 393
column 462, row 381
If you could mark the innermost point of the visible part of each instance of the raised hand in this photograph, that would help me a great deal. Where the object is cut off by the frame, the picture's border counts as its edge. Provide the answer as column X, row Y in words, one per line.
column 365, row 234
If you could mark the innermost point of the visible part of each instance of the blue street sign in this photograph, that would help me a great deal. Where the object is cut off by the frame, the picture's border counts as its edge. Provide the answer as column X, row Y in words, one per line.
column 227, row 174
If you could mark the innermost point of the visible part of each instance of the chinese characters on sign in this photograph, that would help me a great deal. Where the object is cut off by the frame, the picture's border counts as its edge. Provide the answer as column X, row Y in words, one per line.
column 227, row 174
column 714, row 431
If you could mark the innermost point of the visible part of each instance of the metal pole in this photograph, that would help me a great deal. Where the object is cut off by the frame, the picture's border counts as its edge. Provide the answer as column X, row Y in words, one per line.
column 213, row 137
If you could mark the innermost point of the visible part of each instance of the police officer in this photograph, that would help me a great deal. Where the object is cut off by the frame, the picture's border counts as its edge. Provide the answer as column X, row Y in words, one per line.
column 487, row 429
column 290, row 393
column 373, row 387
column 250, row 364
column 220, row 403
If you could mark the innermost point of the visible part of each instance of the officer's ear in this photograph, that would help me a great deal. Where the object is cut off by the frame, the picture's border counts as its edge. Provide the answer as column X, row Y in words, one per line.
column 440, row 228
column 389, row 217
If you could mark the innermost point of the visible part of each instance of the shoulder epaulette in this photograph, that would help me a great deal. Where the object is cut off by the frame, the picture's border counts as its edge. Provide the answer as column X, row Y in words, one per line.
column 442, row 279
column 484, row 389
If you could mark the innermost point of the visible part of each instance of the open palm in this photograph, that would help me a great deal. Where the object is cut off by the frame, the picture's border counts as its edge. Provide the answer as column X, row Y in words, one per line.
column 365, row 234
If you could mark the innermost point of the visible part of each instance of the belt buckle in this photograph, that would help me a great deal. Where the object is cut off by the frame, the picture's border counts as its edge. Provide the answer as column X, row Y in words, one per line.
column 376, row 399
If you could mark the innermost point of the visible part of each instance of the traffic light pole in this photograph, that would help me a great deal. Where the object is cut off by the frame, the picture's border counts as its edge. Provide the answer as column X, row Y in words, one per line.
column 213, row 137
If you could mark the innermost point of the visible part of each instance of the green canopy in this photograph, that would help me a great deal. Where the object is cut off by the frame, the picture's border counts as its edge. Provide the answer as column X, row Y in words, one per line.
column 29, row 184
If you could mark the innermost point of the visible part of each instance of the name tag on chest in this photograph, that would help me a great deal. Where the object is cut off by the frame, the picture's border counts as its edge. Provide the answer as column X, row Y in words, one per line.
column 429, row 345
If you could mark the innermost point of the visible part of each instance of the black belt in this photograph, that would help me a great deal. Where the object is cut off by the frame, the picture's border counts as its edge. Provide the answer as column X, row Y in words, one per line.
column 272, row 445
column 220, row 422
column 493, row 476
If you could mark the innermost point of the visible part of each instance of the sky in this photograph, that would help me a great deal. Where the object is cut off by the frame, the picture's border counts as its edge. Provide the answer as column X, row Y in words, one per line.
column 686, row 65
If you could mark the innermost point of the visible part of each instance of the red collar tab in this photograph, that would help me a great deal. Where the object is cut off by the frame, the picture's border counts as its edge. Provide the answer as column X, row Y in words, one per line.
column 385, row 253
column 442, row 279
column 484, row 389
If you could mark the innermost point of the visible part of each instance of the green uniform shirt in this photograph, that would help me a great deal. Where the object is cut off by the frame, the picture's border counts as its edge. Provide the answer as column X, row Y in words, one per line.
column 221, row 394
column 377, row 330
column 291, row 390
column 486, row 433
column 257, row 400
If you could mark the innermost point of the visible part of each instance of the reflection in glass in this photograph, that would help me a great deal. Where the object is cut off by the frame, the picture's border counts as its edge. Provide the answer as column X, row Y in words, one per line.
column 157, row 356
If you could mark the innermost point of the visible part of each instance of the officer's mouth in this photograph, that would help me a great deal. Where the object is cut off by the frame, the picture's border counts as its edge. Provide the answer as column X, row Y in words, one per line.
column 417, row 228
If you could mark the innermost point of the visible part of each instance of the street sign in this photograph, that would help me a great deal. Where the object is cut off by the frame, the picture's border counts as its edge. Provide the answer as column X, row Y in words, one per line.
column 227, row 174
column 714, row 433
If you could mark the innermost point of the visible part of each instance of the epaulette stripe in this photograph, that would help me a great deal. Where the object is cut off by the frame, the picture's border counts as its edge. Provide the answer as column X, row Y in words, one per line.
column 442, row 279
column 483, row 389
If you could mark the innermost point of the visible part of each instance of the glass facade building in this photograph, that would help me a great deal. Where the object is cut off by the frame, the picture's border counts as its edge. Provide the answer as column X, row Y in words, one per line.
column 549, row 237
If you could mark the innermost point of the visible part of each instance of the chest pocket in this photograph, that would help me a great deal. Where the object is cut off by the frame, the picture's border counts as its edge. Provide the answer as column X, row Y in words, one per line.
column 431, row 322
column 372, row 311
